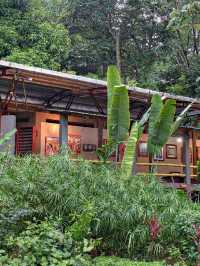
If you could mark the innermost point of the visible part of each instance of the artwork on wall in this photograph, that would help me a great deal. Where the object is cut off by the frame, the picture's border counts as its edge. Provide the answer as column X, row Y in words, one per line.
column 74, row 143
column 89, row 147
column 171, row 151
column 51, row 146
column 160, row 156
column 142, row 149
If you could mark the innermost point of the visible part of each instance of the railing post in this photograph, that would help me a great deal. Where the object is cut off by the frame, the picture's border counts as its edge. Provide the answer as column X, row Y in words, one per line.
column 186, row 156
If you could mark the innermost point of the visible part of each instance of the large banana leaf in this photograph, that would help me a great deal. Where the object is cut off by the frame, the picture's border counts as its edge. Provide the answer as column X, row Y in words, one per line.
column 154, row 115
column 113, row 79
column 146, row 115
column 145, row 118
column 130, row 151
column 120, row 116
column 161, row 131
column 180, row 118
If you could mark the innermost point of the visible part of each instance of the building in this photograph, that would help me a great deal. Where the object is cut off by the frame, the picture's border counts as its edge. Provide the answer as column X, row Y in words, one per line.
column 50, row 108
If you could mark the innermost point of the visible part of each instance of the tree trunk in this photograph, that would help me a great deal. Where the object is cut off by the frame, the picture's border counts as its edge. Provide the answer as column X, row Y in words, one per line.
column 118, row 50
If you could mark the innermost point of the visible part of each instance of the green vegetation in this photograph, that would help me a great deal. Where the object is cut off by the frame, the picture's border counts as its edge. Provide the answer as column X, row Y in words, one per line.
column 155, row 44
column 112, row 261
column 160, row 117
column 76, row 211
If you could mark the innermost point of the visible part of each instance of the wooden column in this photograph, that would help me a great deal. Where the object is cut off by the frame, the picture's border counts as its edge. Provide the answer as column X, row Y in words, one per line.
column 186, row 156
column 100, row 132
column 63, row 131
column 194, row 149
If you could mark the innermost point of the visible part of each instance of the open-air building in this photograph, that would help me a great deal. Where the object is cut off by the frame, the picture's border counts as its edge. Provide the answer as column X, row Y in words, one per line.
column 51, row 108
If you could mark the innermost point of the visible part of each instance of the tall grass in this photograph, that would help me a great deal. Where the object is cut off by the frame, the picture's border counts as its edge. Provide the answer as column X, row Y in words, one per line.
column 135, row 218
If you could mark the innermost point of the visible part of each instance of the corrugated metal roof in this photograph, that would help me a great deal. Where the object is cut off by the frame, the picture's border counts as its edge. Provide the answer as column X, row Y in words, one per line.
column 80, row 81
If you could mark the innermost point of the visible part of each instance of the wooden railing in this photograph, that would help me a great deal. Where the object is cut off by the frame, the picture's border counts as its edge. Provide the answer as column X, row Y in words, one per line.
column 154, row 164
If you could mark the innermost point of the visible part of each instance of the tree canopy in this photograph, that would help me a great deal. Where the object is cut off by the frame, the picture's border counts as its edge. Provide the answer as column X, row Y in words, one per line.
column 156, row 44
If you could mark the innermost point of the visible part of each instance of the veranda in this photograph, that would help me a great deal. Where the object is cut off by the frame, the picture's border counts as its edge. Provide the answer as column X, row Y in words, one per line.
column 51, row 108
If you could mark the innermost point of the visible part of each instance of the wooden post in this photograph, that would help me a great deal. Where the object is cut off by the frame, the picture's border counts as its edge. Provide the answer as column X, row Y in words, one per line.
column 186, row 156
column 63, row 131
column 194, row 150
column 100, row 132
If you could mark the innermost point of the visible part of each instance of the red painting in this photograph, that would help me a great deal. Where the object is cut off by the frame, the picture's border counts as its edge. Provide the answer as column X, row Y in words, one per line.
column 52, row 144
column 74, row 143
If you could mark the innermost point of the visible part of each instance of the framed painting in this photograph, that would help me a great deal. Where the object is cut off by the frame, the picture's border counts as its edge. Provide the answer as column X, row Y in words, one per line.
column 142, row 149
column 171, row 151
column 51, row 146
column 74, row 143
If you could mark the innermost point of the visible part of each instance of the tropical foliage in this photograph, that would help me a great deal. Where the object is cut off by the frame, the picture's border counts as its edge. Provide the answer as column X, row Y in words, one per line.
column 6, row 137
column 80, row 209
column 161, row 119
column 154, row 43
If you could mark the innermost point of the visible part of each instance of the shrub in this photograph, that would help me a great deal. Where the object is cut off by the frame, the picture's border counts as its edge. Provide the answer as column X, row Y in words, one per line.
column 135, row 218
column 44, row 244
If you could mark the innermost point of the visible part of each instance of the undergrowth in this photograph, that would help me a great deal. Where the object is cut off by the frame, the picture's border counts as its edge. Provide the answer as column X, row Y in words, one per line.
column 135, row 218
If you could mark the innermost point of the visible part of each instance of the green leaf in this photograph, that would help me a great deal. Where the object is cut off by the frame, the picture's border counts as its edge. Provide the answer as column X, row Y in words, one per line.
column 113, row 79
column 145, row 118
column 130, row 151
column 161, row 130
column 120, row 115
column 7, row 136
column 180, row 118
column 155, row 111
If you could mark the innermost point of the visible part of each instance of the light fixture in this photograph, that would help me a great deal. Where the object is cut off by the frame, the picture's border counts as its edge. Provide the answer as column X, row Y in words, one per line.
column 179, row 139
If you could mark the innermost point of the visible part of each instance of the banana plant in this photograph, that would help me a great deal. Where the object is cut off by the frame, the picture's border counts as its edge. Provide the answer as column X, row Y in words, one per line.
column 118, row 115
column 161, row 126
column 180, row 118
column 161, row 120
column 113, row 79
